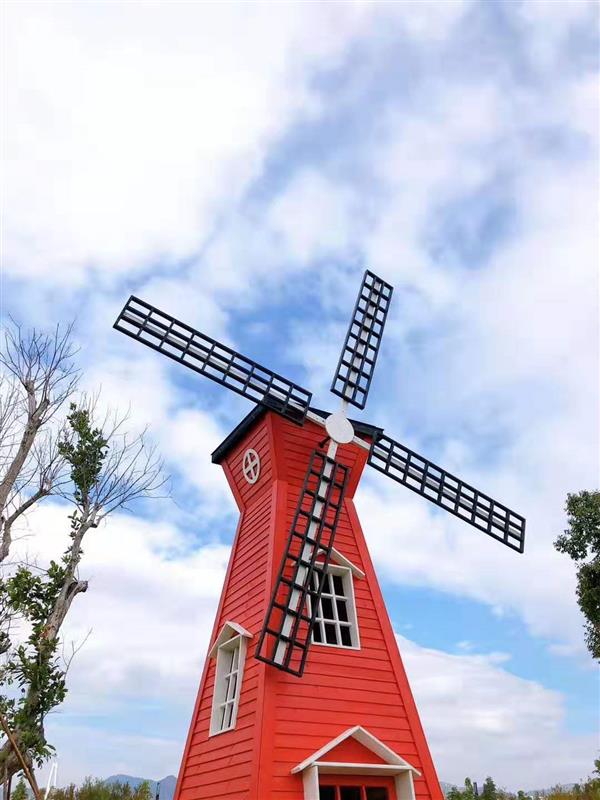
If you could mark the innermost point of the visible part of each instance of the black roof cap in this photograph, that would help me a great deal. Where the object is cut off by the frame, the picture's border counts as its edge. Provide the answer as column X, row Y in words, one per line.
column 240, row 430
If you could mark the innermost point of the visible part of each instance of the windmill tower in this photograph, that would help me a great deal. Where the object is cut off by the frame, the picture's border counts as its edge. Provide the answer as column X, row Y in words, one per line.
column 303, row 694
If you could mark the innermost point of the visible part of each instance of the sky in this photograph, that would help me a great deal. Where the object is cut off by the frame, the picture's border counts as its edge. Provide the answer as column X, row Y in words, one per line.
column 239, row 165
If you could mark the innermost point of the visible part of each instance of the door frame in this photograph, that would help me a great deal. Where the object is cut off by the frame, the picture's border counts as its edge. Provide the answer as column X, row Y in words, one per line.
column 362, row 781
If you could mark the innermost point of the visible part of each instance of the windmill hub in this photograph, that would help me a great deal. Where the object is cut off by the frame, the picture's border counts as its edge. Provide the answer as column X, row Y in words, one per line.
column 339, row 428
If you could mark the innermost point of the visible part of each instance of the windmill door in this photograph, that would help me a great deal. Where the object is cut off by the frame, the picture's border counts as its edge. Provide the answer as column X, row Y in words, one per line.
column 356, row 787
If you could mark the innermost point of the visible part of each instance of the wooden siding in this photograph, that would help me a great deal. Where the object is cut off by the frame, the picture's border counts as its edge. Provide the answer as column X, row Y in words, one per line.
column 352, row 751
column 283, row 719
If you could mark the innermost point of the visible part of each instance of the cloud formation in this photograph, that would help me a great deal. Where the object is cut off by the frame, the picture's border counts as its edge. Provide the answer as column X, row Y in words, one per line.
column 148, row 615
column 237, row 166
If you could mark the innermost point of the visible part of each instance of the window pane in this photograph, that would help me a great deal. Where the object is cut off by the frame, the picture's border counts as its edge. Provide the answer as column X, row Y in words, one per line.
column 346, row 638
column 327, row 584
column 317, row 633
column 326, row 792
column 236, row 657
column 330, row 633
column 342, row 610
column 350, row 793
column 229, row 714
column 232, row 685
column 338, row 585
column 377, row 793
column 230, row 660
column 327, row 607
column 222, row 718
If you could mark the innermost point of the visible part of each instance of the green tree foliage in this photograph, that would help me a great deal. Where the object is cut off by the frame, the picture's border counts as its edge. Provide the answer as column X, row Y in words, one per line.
column 94, row 789
column 20, row 791
column 32, row 667
column 143, row 791
column 489, row 791
column 587, row 790
column 106, row 471
column 85, row 453
column 40, row 597
column 97, row 468
column 581, row 541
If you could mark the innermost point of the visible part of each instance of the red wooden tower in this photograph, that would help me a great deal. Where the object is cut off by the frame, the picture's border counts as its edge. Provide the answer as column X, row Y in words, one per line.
column 284, row 731
column 303, row 694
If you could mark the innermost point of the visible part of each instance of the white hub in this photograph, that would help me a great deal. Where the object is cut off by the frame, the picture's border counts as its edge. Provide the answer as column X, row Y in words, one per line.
column 339, row 428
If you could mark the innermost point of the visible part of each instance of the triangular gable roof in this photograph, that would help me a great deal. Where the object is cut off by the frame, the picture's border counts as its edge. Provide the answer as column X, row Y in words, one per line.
column 365, row 738
column 342, row 561
column 228, row 631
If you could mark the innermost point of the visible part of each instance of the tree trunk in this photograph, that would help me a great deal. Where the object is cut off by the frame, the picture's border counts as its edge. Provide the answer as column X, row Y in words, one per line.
column 10, row 764
column 34, row 422
column 71, row 587
column 6, row 524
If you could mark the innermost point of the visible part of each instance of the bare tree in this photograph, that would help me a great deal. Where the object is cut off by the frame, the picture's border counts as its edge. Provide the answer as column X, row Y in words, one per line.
column 38, row 377
column 89, row 460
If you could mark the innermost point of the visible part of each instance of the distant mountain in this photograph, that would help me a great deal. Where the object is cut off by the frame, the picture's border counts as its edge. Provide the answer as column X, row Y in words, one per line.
column 167, row 784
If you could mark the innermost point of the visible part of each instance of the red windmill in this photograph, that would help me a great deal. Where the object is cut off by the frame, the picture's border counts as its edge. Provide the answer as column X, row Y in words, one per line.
column 341, row 724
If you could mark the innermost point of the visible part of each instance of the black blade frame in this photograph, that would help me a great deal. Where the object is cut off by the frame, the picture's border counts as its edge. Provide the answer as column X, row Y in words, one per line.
column 296, row 561
column 447, row 491
column 214, row 360
column 352, row 379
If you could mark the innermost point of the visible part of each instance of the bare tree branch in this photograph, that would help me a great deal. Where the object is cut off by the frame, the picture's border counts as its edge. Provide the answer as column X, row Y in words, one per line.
column 38, row 377
column 93, row 462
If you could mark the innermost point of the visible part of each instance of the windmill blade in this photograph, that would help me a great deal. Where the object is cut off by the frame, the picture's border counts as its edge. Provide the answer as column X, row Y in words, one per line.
column 287, row 632
column 447, row 491
column 352, row 379
column 212, row 359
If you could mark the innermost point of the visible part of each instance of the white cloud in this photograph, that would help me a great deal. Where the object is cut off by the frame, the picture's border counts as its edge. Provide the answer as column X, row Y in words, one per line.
column 430, row 20
column 151, row 589
column 138, row 382
column 482, row 720
column 132, row 129
column 147, row 616
column 549, row 27
column 468, row 564
column 150, row 606
column 496, row 361
column 313, row 217
column 134, row 135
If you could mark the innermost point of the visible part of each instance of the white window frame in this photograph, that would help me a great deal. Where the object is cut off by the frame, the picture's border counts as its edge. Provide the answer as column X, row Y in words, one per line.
column 222, row 695
column 346, row 575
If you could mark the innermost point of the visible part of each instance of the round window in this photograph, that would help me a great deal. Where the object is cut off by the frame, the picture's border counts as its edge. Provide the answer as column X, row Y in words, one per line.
column 251, row 466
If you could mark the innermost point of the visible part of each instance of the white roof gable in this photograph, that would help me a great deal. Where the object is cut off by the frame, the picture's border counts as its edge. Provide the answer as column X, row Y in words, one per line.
column 345, row 562
column 342, row 561
column 228, row 631
column 365, row 738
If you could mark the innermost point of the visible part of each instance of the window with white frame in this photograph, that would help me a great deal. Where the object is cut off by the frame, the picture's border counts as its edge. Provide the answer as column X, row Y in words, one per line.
column 228, row 681
column 335, row 622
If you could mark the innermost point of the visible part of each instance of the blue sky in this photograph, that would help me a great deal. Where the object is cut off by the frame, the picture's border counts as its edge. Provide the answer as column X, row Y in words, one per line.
column 239, row 166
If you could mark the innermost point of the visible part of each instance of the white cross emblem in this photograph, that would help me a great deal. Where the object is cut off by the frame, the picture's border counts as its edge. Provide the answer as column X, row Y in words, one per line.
column 251, row 466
